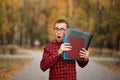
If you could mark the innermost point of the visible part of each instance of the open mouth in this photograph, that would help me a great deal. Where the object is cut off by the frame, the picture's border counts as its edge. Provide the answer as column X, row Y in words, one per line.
column 58, row 36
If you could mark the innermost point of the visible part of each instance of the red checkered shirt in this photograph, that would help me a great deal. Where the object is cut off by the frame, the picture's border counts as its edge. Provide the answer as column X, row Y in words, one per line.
column 60, row 69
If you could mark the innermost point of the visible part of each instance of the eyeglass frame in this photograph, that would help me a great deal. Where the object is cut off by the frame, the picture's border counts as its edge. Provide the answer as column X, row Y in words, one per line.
column 59, row 29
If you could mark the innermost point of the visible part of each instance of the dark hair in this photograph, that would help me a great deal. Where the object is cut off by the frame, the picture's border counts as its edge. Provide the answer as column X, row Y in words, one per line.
column 61, row 21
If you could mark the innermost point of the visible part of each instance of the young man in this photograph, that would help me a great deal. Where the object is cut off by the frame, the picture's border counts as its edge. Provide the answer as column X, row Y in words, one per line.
column 61, row 69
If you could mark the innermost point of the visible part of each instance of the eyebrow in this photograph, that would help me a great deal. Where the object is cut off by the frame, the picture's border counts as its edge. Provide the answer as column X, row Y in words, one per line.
column 59, row 28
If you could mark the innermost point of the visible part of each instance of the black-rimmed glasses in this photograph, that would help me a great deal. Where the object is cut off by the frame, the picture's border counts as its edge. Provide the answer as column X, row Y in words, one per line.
column 59, row 29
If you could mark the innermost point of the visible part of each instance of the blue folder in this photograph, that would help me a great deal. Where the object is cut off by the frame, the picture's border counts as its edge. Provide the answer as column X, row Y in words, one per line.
column 64, row 53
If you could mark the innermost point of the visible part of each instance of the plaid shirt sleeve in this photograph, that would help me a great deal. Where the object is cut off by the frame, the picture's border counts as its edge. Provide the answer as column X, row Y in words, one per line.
column 49, row 58
column 82, row 63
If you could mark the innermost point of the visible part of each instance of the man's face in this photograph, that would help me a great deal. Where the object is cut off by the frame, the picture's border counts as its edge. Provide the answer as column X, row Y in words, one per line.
column 60, row 30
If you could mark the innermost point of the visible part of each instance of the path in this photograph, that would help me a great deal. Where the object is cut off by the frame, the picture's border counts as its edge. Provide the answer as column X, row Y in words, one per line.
column 92, row 71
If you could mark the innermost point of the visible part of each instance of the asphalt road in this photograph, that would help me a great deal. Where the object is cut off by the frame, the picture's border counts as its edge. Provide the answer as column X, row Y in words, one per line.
column 92, row 71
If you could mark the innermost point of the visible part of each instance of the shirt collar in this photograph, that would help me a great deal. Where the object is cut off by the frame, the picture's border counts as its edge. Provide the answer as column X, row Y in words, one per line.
column 58, row 42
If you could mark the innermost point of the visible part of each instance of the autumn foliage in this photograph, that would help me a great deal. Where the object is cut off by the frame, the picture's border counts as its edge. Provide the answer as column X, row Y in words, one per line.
column 24, row 21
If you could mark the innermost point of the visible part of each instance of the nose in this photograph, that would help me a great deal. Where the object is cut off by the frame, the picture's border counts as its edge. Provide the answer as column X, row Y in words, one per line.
column 58, row 32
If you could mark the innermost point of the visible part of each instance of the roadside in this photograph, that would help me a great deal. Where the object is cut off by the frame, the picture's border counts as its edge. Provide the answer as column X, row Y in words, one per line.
column 11, row 64
column 34, row 66
column 33, row 71
column 92, row 71
column 113, row 66
column 108, row 58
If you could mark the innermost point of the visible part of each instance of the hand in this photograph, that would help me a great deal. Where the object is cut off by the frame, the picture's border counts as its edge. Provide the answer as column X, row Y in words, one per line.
column 84, row 54
column 64, row 47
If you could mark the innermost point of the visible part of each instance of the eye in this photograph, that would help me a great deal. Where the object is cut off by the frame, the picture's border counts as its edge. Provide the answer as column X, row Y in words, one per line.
column 62, row 29
column 56, row 28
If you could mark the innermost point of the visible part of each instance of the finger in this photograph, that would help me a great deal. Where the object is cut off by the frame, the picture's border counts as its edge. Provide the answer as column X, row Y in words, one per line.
column 82, row 52
column 85, row 55
column 68, row 49
column 84, row 49
column 68, row 46
column 81, row 56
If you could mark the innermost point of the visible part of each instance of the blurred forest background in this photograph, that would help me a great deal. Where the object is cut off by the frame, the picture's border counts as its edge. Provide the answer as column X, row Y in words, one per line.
column 29, row 23
column 22, row 22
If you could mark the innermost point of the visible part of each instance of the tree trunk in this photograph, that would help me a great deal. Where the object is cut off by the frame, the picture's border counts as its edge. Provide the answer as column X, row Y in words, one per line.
column 32, row 40
column 1, row 40
column 21, row 37
column 118, row 43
